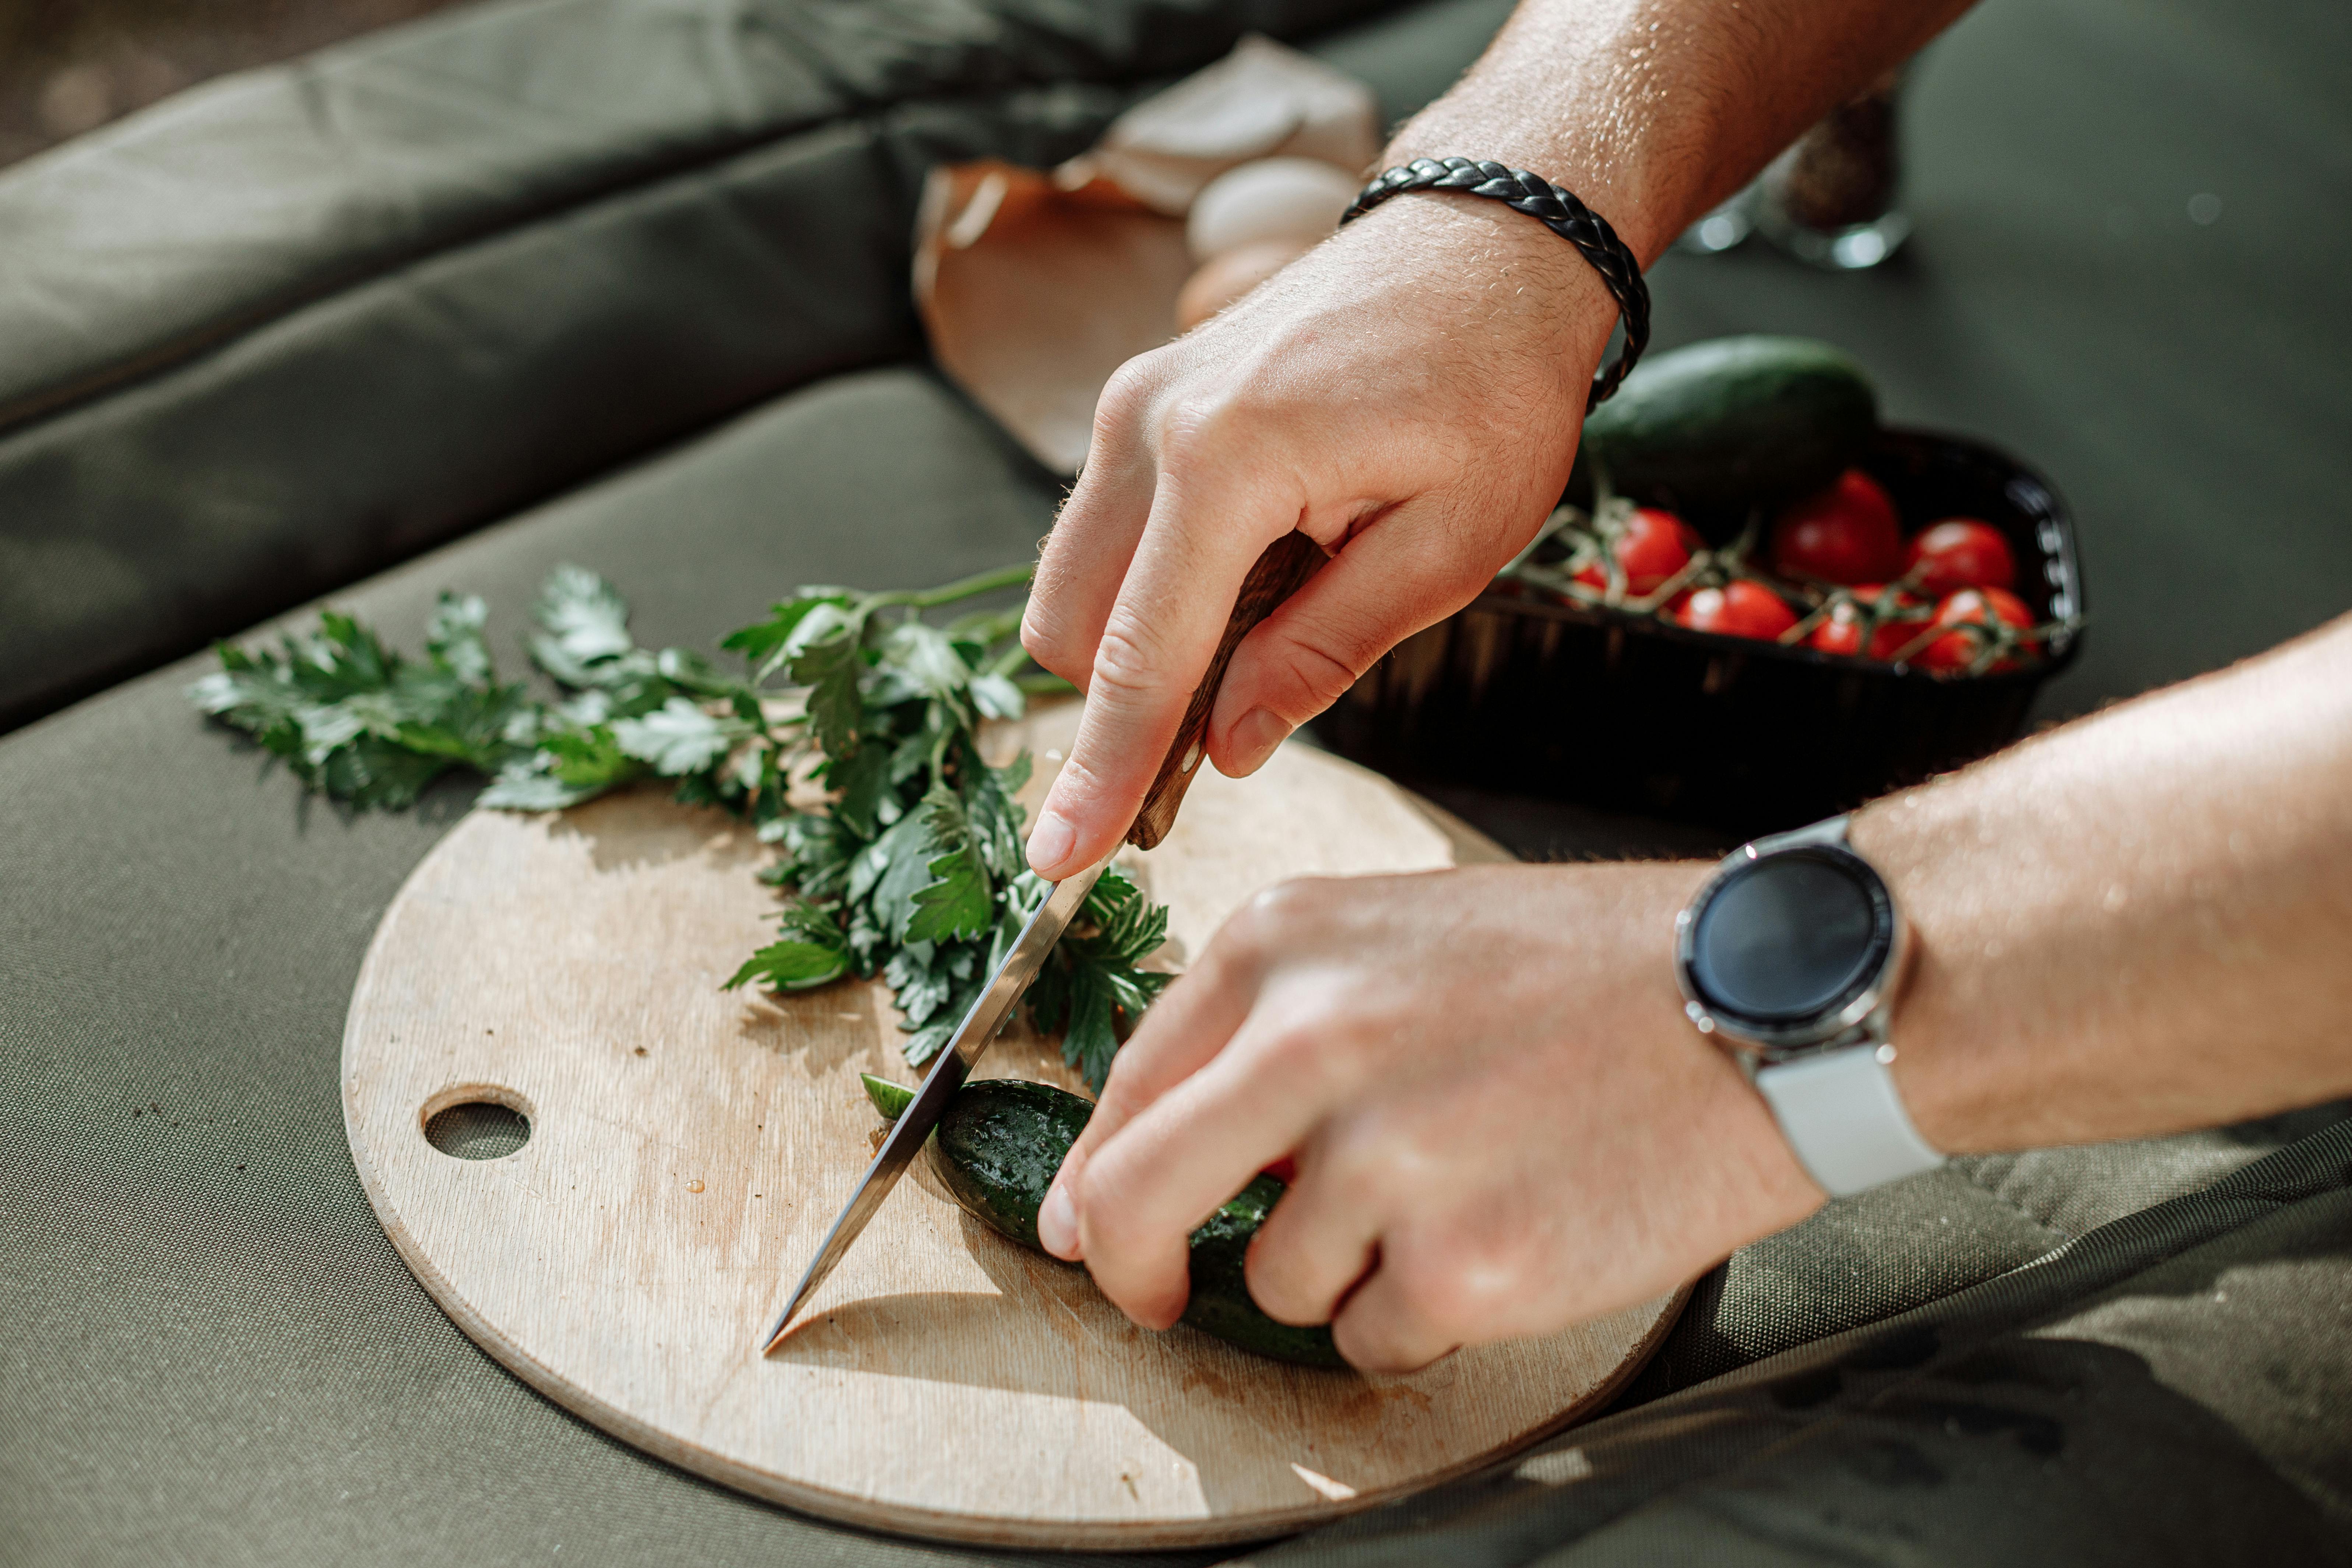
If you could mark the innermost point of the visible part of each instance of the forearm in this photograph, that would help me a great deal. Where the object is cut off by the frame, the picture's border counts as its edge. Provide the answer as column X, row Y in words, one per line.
column 1653, row 111
column 2139, row 923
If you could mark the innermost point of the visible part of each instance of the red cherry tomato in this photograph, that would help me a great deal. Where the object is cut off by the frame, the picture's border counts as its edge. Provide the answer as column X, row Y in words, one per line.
column 1841, row 631
column 1654, row 546
column 1847, row 533
column 1971, row 607
column 1741, row 609
column 1961, row 552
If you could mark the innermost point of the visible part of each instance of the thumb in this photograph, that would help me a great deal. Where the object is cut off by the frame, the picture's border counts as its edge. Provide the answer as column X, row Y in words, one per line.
column 1407, row 571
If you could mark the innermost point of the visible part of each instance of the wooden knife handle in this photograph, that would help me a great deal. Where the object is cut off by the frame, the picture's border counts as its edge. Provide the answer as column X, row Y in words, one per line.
column 1281, row 571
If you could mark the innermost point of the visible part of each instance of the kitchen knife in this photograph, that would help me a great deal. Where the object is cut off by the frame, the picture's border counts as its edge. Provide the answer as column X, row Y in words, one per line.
column 1279, row 573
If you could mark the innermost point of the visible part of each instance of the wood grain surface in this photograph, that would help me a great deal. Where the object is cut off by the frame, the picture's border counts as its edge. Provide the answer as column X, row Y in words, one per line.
column 688, row 1146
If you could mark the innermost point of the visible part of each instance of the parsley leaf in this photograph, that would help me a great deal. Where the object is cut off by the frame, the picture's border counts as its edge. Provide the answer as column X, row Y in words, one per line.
column 809, row 952
column 831, row 670
column 586, row 625
column 958, row 901
column 913, row 870
column 678, row 737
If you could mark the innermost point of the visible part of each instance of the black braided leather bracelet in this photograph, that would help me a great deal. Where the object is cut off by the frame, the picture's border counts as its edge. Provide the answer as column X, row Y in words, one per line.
column 1559, row 210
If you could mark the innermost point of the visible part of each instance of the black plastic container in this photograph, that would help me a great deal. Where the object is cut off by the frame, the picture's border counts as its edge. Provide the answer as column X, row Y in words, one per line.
column 1632, row 713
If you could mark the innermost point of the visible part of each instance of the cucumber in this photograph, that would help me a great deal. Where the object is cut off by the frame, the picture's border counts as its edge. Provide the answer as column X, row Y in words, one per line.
column 1717, row 427
column 1221, row 1304
column 999, row 1146
column 890, row 1099
column 997, row 1150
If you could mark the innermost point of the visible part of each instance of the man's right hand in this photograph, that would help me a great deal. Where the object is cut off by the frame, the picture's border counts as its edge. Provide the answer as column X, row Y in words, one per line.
column 1409, row 394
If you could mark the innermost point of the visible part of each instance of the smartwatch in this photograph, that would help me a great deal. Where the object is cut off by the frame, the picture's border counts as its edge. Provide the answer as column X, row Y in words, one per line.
column 1792, row 955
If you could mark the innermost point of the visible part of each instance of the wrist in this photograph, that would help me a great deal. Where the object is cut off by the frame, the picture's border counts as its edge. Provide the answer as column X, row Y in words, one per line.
column 1517, row 275
column 1611, row 193
column 1953, row 1043
column 1976, row 1063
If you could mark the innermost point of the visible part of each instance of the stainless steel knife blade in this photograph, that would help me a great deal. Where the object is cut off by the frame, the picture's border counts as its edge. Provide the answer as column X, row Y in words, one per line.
column 1280, row 572
column 955, row 1063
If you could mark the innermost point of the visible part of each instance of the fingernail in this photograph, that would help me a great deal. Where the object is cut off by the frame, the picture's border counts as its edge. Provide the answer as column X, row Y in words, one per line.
column 1259, row 731
column 1050, row 841
column 1058, row 1224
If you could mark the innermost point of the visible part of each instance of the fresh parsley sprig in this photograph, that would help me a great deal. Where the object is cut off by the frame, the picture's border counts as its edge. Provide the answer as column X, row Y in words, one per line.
column 911, row 868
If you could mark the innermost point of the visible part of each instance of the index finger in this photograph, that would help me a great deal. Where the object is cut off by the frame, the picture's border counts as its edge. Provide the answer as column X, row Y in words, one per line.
column 1187, row 1025
column 1202, row 536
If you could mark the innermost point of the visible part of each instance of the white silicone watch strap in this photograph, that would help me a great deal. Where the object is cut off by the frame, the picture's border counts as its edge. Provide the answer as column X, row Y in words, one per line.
column 1841, row 1115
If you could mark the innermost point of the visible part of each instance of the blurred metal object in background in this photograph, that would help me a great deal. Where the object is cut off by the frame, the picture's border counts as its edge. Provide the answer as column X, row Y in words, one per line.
column 1725, row 226
column 1831, row 198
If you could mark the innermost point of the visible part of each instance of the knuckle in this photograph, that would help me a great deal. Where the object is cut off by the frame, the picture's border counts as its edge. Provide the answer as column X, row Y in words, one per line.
column 1199, row 429
column 1128, row 663
column 1280, row 1281
column 1359, row 1154
column 1048, row 641
column 1439, row 1299
column 1126, row 1093
column 1301, row 901
column 1130, row 389
column 1105, row 1183
column 1083, row 786
column 1321, row 674
column 1470, row 1286
column 1126, row 398
column 1272, row 920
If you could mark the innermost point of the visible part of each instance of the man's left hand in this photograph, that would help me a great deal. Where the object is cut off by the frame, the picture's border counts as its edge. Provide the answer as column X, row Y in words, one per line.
column 1502, row 1121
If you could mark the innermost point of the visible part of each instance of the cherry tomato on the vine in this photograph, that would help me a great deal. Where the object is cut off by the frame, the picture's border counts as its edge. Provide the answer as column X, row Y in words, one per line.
column 1653, row 546
column 1847, row 533
column 1841, row 632
column 1971, row 607
column 1961, row 552
column 1739, row 609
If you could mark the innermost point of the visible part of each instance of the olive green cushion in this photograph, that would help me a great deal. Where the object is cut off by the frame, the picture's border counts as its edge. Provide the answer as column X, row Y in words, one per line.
column 298, row 325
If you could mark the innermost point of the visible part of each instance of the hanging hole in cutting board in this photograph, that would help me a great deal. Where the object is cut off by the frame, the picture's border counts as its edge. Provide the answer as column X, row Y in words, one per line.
column 477, row 1122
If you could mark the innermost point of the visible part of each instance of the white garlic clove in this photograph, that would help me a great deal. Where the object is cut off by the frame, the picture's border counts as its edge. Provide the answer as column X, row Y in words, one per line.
column 1297, row 199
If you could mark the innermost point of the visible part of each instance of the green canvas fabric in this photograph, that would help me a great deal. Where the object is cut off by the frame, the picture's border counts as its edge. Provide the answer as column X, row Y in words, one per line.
column 2173, row 1386
column 1862, row 1258
column 205, row 1363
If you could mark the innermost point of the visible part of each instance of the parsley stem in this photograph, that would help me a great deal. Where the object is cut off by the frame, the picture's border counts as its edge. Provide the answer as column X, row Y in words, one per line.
column 963, row 588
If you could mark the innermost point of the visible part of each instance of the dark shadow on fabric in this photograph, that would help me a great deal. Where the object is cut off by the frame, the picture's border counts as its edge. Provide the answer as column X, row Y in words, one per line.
column 2029, row 1450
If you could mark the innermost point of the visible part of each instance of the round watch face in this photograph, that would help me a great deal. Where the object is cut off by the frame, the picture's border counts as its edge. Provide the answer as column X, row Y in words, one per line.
column 1789, row 938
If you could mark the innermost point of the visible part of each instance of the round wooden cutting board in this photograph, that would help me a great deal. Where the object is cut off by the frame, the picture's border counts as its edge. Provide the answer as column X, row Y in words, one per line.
column 688, row 1148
